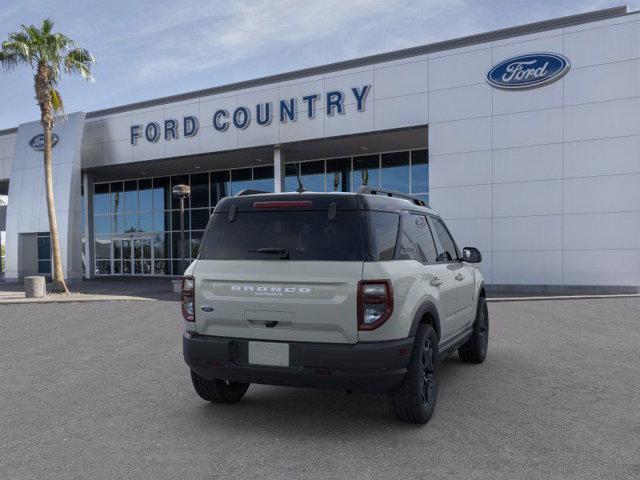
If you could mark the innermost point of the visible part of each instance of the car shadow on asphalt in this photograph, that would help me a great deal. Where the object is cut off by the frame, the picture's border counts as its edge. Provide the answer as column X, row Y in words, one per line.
column 301, row 411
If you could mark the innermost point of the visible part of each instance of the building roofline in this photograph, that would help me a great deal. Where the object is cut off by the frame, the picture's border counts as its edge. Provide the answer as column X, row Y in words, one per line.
column 469, row 40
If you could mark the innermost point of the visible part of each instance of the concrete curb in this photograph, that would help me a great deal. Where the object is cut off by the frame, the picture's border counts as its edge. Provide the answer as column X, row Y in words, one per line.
column 73, row 299
column 125, row 298
column 561, row 297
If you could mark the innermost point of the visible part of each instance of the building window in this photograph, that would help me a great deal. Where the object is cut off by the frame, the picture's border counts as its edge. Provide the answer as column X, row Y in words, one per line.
column 137, row 222
column 117, row 198
column 200, row 190
column 366, row 171
column 44, row 253
column 420, row 174
column 338, row 177
column 145, row 195
column 219, row 186
column 161, row 194
column 101, row 199
column 263, row 178
column 291, row 177
column 395, row 171
column 241, row 179
column 311, row 175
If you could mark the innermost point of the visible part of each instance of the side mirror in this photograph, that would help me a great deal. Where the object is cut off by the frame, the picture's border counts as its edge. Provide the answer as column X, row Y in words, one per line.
column 471, row 255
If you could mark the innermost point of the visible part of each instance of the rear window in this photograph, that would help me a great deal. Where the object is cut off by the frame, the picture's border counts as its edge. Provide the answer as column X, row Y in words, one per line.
column 286, row 234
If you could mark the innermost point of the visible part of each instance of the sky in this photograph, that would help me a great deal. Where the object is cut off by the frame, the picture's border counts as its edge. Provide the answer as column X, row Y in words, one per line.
column 149, row 49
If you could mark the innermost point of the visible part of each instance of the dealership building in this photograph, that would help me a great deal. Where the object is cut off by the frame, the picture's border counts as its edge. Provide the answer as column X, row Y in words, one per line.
column 526, row 140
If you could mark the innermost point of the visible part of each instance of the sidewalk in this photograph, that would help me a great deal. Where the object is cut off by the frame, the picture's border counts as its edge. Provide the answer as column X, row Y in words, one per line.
column 103, row 289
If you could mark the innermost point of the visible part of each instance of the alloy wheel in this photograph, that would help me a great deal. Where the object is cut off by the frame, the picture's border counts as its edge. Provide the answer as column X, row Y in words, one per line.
column 428, row 373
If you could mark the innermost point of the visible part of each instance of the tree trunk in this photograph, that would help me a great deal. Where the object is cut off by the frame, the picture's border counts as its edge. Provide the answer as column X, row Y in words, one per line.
column 42, row 84
column 59, row 284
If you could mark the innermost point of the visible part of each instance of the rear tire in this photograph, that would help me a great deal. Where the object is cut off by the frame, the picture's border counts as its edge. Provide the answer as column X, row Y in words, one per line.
column 218, row 391
column 415, row 400
column 475, row 349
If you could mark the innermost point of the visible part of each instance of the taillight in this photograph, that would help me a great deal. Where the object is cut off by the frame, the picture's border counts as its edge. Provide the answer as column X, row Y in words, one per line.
column 188, row 298
column 375, row 303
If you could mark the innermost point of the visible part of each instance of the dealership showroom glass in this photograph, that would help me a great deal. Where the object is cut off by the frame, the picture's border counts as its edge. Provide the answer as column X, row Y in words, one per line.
column 526, row 140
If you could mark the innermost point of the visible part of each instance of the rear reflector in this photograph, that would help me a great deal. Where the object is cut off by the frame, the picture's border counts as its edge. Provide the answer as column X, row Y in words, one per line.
column 284, row 204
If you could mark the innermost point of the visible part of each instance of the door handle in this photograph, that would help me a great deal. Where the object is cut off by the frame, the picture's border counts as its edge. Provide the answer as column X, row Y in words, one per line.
column 459, row 277
column 436, row 282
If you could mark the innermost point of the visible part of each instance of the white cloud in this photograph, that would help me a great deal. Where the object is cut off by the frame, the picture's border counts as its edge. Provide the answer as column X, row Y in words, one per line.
column 248, row 29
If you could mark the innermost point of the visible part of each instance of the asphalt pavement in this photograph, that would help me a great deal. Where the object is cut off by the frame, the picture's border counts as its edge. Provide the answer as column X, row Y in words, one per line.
column 100, row 391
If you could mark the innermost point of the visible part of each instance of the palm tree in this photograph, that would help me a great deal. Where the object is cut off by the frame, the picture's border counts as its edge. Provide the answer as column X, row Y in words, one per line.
column 47, row 53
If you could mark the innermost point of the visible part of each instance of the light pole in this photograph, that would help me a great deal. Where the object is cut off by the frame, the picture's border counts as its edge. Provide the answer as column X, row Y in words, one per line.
column 181, row 192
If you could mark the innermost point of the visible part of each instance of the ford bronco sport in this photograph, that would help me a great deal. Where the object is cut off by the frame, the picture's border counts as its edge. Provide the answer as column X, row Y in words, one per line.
column 358, row 291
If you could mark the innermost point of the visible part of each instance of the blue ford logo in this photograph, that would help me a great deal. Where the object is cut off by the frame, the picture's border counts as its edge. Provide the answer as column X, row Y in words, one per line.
column 528, row 71
column 37, row 142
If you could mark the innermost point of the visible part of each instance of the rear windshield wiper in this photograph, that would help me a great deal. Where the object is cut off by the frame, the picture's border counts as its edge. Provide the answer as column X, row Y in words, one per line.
column 283, row 252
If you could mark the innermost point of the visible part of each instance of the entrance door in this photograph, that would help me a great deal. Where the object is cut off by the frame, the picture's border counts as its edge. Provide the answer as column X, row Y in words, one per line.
column 142, row 256
column 133, row 255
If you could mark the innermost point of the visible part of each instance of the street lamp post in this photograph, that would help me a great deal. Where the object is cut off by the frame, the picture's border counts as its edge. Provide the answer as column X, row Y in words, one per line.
column 181, row 192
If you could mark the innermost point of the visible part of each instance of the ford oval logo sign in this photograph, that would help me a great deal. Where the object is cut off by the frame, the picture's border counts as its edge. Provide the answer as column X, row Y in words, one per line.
column 528, row 71
column 37, row 142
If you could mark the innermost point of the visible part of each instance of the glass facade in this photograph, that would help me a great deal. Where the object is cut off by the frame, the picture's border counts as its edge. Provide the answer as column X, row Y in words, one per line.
column 137, row 222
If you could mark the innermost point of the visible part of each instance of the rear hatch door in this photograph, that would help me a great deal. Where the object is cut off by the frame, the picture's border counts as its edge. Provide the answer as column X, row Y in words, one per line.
column 273, row 270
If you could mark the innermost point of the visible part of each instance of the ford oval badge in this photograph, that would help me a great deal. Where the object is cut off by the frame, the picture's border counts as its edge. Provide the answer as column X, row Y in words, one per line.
column 528, row 71
column 207, row 308
column 37, row 142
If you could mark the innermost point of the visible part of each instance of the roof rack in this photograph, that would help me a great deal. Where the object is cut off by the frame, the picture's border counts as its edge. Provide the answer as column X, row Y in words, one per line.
column 249, row 191
column 388, row 193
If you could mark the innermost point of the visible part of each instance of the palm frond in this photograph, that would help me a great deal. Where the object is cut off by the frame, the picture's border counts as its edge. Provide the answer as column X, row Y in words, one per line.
column 62, row 41
column 56, row 101
column 47, row 25
column 8, row 60
column 35, row 35
column 47, row 52
column 19, row 44
column 19, row 37
column 79, row 60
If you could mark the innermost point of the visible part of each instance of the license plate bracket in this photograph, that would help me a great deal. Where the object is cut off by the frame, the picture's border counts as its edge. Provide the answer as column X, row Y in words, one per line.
column 269, row 353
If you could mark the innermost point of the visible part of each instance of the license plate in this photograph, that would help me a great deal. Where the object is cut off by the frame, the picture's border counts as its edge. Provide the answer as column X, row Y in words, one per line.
column 269, row 353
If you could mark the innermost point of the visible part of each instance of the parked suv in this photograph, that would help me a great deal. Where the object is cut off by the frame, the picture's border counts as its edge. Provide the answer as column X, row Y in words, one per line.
column 358, row 291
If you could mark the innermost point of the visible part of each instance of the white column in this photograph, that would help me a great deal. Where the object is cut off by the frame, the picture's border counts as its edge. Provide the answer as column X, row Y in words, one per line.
column 278, row 170
column 87, row 186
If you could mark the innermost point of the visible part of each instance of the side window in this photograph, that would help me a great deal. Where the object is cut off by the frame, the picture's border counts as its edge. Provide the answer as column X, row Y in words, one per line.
column 406, row 241
column 426, row 249
column 383, row 233
column 447, row 250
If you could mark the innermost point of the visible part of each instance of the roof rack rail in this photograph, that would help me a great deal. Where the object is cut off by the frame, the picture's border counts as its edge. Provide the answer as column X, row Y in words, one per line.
column 389, row 193
column 249, row 191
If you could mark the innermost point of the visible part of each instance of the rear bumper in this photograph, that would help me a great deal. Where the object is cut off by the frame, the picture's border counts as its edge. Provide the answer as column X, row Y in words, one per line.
column 372, row 367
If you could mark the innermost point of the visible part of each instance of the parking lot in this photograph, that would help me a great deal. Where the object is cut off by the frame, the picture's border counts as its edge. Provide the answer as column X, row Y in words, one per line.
column 100, row 390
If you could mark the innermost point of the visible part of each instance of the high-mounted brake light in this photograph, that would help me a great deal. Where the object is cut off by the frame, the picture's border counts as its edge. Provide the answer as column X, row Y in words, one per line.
column 188, row 298
column 284, row 204
column 375, row 303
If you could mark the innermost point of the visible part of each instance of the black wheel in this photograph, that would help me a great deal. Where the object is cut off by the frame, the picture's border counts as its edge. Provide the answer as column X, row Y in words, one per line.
column 219, row 391
column 475, row 349
column 415, row 400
